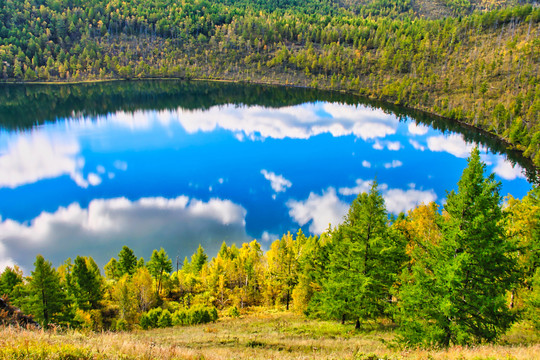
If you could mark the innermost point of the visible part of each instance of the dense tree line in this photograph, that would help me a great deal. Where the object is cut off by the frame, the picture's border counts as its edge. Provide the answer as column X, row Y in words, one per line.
column 480, row 67
column 462, row 275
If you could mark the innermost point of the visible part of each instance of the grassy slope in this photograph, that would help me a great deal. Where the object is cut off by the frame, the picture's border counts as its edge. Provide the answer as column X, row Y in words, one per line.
column 265, row 335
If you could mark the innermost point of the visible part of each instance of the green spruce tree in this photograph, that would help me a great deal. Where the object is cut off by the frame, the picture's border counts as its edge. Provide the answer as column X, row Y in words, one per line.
column 87, row 283
column 10, row 278
column 456, row 292
column 361, row 270
column 198, row 259
column 47, row 298
column 127, row 262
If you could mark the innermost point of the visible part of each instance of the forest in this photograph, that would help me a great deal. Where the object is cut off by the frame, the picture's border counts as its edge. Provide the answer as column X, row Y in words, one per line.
column 460, row 275
column 471, row 61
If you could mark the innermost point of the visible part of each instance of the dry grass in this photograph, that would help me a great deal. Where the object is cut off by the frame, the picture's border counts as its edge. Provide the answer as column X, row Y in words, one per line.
column 255, row 336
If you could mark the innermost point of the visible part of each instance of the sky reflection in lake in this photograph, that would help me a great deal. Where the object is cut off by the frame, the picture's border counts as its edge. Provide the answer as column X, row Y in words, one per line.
column 176, row 178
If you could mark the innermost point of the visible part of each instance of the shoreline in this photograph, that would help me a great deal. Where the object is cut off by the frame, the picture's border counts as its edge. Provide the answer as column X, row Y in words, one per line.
column 508, row 145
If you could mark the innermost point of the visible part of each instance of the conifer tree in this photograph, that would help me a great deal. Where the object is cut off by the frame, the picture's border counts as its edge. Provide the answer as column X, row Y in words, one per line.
column 198, row 259
column 127, row 262
column 522, row 225
column 360, row 270
column 283, row 265
column 10, row 278
column 312, row 264
column 46, row 302
column 111, row 269
column 455, row 293
column 87, row 283
column 159, row 263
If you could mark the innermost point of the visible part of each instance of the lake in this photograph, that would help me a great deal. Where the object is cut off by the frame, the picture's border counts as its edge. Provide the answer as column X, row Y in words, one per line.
column 86, row 169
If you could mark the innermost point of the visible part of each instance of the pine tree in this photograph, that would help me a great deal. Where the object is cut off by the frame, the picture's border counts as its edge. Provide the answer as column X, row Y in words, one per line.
column 111, row 269
column 159, row 263
column 127, row 262
column 455, row 293
column 46, row 302
column 87, row 283
column 198, row 259
column 361, row 266
column 312, row 265
column 10, row 278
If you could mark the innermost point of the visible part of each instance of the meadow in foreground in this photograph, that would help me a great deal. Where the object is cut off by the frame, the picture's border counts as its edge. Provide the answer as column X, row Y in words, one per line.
column 258, row 335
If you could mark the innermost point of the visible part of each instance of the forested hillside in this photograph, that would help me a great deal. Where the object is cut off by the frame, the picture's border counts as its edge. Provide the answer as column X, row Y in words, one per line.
column 472, row 61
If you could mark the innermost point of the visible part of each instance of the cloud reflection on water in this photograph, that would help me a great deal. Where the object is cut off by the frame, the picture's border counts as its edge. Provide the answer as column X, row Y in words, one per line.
column 327, row 208
column 296, row 122
column 107, row 224
column 75, row 148
column 30, row 157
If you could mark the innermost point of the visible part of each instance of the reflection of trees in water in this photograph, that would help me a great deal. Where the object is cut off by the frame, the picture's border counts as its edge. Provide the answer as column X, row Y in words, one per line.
column 24, row 106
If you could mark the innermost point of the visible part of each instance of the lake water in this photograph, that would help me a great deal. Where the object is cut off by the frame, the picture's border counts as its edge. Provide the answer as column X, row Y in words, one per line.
column 86, row 169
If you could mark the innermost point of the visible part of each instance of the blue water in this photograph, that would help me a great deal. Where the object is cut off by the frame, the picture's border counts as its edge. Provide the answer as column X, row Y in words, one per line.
column 87, row 185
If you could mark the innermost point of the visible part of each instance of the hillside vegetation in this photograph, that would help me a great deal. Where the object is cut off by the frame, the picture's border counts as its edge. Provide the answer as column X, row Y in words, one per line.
column 471, row 61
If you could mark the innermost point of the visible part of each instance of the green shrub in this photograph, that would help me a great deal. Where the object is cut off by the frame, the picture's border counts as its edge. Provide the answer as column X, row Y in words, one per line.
column 122, row 325
column 165, row 320
column 213, row 314
column 233, row 312
column 158, row 317
column 144, row 322
column 179, row 318
column 153, row 317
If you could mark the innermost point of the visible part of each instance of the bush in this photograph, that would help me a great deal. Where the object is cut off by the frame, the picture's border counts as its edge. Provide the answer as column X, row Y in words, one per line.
column 165, row 320
column 153, row 317
column 122, row 325
column 213, row 314
column 233, row 312
column 144, row 322
column 179, row 318
column 158, row 317
column 198, row 315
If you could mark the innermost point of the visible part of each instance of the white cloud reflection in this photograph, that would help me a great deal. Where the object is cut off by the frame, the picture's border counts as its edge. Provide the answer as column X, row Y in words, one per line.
column 415, row 129
column 321, row 210
column 393, row 164
column 453, row 144
column 390, row 145
column 177, row 224
column 328, row 208
column 506, row 171
column 417, row 145
column 398, row 200
column 277, row 182
column 362, row 186
column 297, row 122
column 29, row 157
